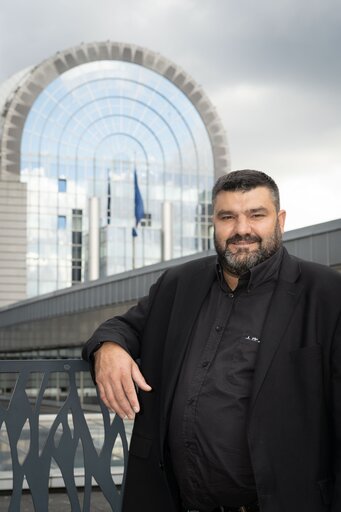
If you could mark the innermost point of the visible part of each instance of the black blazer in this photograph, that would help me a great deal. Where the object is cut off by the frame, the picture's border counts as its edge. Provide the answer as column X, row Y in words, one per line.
column 294, row 423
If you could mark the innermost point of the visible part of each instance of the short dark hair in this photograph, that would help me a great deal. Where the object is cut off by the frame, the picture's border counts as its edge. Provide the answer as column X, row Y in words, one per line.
column 245, row 180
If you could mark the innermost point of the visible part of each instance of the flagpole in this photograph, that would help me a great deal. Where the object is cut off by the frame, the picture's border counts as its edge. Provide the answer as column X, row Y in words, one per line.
column 134, row 251
column 139, row 215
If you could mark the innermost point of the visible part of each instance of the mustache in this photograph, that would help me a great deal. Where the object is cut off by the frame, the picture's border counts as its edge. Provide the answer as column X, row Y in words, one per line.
column 246, row 238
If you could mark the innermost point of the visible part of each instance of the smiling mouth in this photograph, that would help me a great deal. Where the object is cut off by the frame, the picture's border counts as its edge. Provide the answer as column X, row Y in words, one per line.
column 243, row 243
column 242, row 246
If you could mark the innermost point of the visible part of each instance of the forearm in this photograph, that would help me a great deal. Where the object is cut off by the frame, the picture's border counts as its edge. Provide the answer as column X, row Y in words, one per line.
column 125, row 330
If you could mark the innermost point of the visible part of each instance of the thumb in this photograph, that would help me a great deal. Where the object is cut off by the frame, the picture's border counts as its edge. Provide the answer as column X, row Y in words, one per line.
column 139, row 379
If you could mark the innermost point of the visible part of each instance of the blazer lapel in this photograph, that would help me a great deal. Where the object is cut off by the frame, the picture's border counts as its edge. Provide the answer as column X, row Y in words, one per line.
column 282, row 307
column 190, row 294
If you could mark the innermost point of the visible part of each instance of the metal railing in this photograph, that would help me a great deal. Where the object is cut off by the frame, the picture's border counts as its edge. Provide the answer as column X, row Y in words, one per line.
column 31, row 453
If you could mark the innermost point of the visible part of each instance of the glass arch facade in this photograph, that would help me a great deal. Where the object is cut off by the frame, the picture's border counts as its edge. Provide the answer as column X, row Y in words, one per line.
column 84, row 136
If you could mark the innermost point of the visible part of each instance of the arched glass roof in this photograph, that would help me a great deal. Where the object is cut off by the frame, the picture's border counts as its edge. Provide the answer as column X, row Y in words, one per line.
column 106, row 110
column 57, row 67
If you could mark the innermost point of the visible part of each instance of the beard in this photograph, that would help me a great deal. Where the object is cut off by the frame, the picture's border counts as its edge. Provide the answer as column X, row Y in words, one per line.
column 239, row 262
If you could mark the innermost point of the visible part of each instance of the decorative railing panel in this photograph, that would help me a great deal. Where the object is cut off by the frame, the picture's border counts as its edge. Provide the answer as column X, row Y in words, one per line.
column 34, row 448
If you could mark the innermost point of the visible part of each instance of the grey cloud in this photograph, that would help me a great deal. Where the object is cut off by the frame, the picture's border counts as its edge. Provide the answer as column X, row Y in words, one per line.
column 283, row 41
column 220, row 41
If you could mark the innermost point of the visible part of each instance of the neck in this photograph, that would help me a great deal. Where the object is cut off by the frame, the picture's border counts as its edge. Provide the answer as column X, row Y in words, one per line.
column 231, row 280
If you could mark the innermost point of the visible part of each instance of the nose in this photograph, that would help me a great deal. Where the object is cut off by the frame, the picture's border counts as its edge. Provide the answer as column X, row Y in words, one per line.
column 243, row 226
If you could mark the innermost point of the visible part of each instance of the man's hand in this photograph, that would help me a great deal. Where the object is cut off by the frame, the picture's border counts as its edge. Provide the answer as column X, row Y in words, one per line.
column 116, row 375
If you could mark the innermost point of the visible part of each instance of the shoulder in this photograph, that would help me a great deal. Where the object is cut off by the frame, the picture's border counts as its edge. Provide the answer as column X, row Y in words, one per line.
column 316, row 275
column 190, row 268
column 318, row 270
column 179, row 279
column 185, row 272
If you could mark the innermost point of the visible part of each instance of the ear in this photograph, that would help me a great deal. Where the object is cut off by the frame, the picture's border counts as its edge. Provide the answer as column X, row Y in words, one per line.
column 281, row 219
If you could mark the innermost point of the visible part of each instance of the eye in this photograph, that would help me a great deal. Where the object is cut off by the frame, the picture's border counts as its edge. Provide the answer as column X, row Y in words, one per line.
column 258, row 215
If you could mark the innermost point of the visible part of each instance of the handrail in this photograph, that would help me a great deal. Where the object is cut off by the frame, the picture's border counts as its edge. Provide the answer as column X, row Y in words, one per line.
column 68, row 433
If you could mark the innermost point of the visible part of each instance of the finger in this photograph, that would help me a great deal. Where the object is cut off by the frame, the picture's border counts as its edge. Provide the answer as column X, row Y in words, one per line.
column 119, row 398
column 130, row 392
column 109, row 399
column 103, row 397
column 139, row 379
column 118, row 401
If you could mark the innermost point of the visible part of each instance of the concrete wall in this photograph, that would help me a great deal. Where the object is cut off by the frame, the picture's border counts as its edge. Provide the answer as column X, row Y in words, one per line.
column 320, row 243
column 59, row 331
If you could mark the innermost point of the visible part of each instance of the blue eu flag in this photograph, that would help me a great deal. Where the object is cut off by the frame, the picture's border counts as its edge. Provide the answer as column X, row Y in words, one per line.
column 139, row 208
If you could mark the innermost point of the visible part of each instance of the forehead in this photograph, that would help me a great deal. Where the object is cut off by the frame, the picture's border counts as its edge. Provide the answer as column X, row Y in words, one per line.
column 259, row 197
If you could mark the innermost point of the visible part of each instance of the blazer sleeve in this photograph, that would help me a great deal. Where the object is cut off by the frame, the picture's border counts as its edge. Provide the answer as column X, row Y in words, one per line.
column 125, row 330
column 336, row 411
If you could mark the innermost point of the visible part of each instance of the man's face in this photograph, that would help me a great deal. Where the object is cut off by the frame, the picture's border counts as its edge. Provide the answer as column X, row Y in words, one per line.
column 247, row 228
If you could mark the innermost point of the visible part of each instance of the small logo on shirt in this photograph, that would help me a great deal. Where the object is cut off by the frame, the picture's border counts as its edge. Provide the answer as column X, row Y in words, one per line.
column 252, row 338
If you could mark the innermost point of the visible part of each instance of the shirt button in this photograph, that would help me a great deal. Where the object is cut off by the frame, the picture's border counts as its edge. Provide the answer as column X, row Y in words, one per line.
column 231, row 295
column 218, row 328
column 205, row 363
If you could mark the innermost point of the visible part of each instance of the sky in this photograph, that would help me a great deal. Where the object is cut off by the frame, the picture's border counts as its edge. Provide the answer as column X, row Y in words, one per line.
column 272, row 69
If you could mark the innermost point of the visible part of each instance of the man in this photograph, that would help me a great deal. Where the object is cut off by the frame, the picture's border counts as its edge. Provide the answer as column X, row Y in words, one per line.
column 239, row 403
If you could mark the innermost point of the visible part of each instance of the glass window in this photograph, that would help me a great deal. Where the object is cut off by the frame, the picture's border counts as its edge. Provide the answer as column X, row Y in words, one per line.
column 76, row 252
column 76, row 275
column 76, row 238
column 62, row 185
column 61, row 222
column 76, row 223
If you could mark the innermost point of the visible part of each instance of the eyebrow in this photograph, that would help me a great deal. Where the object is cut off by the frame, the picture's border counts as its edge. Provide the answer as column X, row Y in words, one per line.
column 259, row 209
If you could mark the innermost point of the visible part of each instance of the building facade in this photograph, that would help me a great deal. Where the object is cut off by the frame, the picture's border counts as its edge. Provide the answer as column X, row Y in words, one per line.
column 75, row 130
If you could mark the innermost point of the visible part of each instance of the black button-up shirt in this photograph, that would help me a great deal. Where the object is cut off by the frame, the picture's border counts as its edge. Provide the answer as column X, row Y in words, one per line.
column 207, row 434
